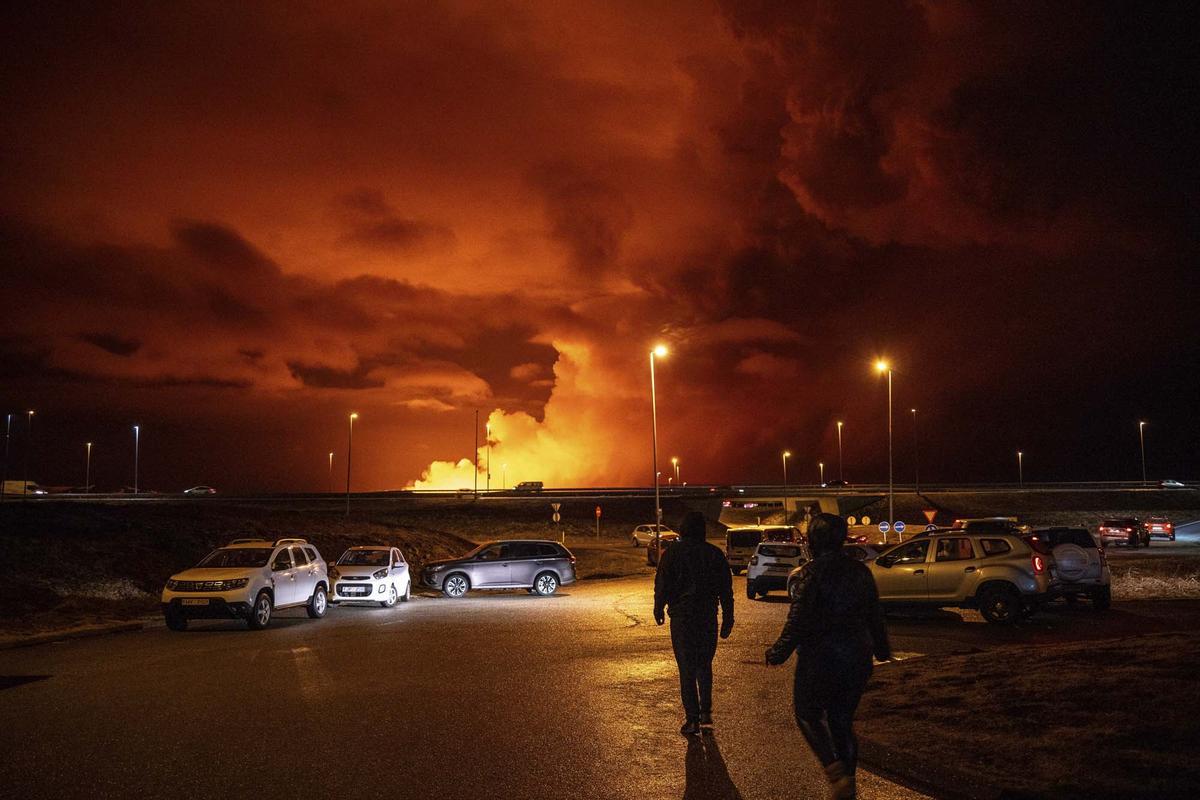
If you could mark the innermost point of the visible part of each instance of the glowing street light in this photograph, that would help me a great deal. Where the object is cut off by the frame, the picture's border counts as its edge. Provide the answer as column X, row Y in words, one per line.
column 87, row 471
column 841, row 475
column 882, row 366
column 1020, row 469
column 660, row 351
column 821, row 467
column 331, row 472
column 28, row 448
column 137, row 447
column 487, row 431
column 349, row 450
column 675, row 466
column 4, row 468
column 1142, row 442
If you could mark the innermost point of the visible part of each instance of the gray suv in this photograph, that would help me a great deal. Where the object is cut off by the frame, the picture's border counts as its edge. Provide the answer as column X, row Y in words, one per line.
column 999, row 573
column 536, row 565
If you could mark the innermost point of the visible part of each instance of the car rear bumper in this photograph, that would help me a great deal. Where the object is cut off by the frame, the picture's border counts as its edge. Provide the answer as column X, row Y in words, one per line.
column 768, row 582
column 213, row 608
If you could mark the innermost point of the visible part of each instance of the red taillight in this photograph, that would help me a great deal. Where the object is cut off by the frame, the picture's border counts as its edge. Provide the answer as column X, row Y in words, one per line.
column 1039, row 565
column 572, row 561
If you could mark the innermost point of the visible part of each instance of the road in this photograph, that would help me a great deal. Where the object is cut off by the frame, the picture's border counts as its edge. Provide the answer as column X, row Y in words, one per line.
column 499, row 696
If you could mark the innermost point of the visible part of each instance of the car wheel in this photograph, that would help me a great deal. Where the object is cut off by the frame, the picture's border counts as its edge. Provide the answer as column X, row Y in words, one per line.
column 546, row 584
column 175, row 619
column 750, row 590
column 1000, row 604
column 633, row 541
column 391, row 598
column 318, row 604
column 1102, row 598
column 456, row 585
column 260, row 612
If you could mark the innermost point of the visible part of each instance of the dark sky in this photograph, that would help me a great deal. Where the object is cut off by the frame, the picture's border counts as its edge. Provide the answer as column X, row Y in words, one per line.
column 235, row 224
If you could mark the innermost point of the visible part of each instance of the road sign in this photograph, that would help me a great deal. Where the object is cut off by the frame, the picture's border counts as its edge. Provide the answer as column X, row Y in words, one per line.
column 597, row 512
column 555, row 506
column 866, row 520
column 929, row 513
column 931, row 527
column 557, row 517
column 884, row 527
column 851, row 520
column 899, row 526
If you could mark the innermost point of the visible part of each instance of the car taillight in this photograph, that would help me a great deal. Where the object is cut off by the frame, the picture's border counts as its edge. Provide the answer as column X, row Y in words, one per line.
column 572, row 561
column 1039, row 565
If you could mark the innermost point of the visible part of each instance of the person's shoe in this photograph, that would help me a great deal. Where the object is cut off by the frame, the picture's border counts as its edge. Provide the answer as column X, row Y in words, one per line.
column 706, row 719
column 690, row 728
column 841, row 783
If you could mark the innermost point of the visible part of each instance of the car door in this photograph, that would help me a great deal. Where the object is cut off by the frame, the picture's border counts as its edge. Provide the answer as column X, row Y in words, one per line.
column 306, row 575
column 522, row 563
column 283, row 572
column 400, row 576
column 954, row 566
column 900, row 574
column 490, row 567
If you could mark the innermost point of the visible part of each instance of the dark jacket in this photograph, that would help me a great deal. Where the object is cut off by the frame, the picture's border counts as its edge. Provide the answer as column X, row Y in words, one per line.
column 692, row 578
column 837, row 606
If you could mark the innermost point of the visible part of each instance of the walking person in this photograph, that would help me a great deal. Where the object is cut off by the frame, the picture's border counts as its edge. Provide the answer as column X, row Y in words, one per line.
column 693, row 578
column 834, row 626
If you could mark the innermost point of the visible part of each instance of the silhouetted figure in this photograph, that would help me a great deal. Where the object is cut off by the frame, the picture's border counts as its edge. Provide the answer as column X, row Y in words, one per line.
column 834, row 626
column 693, row 577
column 706, row 777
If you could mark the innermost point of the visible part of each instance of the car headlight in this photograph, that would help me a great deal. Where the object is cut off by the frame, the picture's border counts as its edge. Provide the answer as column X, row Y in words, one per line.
column 172, row 583
column 235, row 583
column 379, row 574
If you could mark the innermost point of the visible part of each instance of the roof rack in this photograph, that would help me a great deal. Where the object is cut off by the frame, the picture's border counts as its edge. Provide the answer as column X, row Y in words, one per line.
column 290, row 541
column 247, row 541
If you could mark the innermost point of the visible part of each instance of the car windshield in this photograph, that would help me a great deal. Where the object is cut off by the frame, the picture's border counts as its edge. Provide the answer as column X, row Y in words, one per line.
column 238, row 557
column 744, row 538
column 779, row 551
column 364, row 558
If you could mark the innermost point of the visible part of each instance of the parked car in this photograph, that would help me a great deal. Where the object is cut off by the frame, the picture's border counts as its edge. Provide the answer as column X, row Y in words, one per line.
column 371, row 574
column 535, row 565
column 990, row 525
column 1124, row 530
column 658, row 546
column 642, row 534
column 1080, row 568
column 838, row 484
column 741, row 541
column 248, row 579
column 1160, row 527
column 857, row 551
column 998, row 573
column 199, row 491
column 770, row 566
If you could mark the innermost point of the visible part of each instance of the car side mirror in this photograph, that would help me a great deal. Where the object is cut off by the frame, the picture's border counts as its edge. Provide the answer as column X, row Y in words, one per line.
column 884, row 561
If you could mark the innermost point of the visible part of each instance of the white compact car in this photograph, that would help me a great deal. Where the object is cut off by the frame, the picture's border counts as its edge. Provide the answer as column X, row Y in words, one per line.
column 770, row 566
column 371, row 575
column 248, row 579
column 642, row 534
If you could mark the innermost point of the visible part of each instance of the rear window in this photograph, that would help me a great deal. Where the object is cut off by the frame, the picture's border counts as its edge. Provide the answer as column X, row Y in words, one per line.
column 548, row 550
column 744, row 538
column 779, row 551
column 1076, row 536
column 994, row 547
column 1119, row 523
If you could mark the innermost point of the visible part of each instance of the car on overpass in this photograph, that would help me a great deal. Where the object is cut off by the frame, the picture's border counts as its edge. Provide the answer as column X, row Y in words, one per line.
column 249, row 579
column 199, row 491
column 529, row 487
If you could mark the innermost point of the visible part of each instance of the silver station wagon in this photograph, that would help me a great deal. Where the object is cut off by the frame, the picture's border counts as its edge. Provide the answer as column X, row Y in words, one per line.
column 536, row 565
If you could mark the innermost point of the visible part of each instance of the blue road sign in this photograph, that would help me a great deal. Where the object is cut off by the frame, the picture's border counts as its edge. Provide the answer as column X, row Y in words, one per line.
column 899, row 526
column 884, row 527
column 931, row 527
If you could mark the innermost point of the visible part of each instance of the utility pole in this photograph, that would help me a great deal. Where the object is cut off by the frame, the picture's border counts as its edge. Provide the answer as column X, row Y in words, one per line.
column 137, row 447
column 4, row 470
column 28, row 448
column 87, row 471
column 916, row 454
column 349, row 451
column 475, row 456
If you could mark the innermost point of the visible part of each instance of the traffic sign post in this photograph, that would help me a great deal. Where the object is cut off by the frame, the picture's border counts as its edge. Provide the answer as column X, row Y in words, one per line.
column 884, row 527
column 899, row 527
column 598, row 522
column 929, row 513
column 556, row 518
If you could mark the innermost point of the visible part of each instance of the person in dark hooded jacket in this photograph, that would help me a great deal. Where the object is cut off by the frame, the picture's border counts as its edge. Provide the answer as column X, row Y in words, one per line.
column 693, row 578
column 834, row 626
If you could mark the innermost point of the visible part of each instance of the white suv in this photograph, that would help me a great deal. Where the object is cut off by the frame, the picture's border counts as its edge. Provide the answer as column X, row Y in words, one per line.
column 371, row 575
column 642, row 534
column 248, row 579
column 770, row 566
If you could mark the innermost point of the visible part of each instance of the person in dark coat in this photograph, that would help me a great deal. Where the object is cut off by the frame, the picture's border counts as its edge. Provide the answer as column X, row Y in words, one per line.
column 834, row 626
column 693, row 578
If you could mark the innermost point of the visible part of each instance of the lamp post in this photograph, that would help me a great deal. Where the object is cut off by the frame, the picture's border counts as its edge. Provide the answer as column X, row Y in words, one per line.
column 659, row 351
column 841, row 475
column 1142, row 443
column 504, row 477
column 916, row 455
column 87, row 471
column 675, row 468
column 1020, row 469
column 821, row 467
column 475, row 458
column 487, row 435
column 349, row 450
column 4, row 469
column 785, row 456
column 137, row 448
column 882, row 366
column 28, row 448
column 331, row 472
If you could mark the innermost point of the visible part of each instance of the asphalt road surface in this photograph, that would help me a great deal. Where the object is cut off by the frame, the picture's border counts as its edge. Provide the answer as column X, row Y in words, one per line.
column 494, row 696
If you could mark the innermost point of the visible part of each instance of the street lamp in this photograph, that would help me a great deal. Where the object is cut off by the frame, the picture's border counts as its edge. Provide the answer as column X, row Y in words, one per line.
column 675, row 467
column 1142, row 442
column 841, row 475
column 137, row 447
column 28, row 448
column 882, row 366
column 87, row 471
column 916, row 454
column 4, row 469
column 331, row 472
column 821, row 467
column 349, row 449
column 786, row 455
column 660, row 351
column 504, row 477
column 487, row 431
column 1020, row 469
